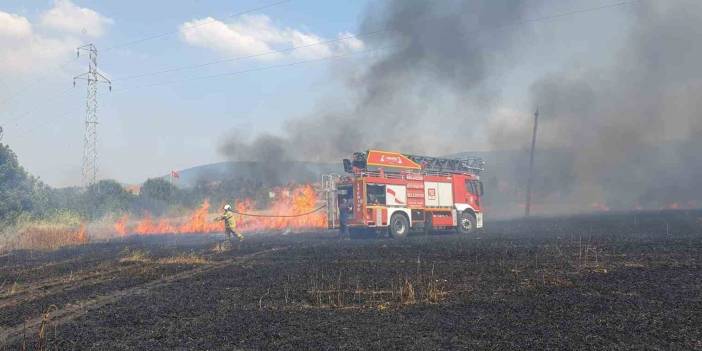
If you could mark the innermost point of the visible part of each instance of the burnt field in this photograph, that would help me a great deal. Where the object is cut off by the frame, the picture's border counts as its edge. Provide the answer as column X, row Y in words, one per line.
column 613, row 281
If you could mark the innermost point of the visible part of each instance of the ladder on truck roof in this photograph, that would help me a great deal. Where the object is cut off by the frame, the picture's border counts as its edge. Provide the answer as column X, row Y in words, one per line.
column 473, row 165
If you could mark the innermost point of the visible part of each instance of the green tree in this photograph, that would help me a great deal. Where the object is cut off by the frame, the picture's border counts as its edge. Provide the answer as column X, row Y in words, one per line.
column 106, row 197
column 158, row 189
column 19, row 192
column 158, row 195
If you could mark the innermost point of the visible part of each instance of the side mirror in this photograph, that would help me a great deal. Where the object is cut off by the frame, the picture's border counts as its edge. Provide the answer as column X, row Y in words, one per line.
column 482, row 190
column 348, row 168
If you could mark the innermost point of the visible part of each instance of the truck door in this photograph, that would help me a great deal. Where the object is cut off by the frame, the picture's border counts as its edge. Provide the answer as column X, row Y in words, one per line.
column 396, row 195
column 431, row 194
column 445, row 194
column 438, row 194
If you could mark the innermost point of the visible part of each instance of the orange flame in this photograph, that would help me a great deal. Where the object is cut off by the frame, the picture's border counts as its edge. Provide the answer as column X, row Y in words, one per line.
column 599, row 206
column 285, row 202
column 198, row 222
column 82, row 235
column 121, row 225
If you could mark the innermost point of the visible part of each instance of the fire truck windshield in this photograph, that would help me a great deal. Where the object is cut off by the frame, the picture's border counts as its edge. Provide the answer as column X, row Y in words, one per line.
column 475, row 187
column 376, row 194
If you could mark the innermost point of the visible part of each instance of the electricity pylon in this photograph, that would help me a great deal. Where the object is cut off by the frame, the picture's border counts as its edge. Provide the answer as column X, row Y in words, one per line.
column 93, row 77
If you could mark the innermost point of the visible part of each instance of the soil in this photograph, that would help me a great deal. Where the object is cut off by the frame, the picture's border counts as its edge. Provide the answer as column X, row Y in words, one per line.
column 610, row 281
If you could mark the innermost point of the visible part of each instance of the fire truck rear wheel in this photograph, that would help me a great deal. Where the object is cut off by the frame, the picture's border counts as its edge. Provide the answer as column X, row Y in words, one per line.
column 399, row 226
column 466, row 223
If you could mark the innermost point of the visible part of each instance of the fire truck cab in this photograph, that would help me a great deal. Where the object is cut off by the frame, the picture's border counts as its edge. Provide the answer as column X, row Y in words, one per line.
column 395, row 193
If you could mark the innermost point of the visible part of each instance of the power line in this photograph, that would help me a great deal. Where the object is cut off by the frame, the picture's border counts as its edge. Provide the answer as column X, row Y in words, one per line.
column 34, row 82
column 133, row 42
column 51, row 98
column 323, row 42
column 523, row 21
column 575, row 12
column 238, row 58
column 519, row 22
column 156, row 36
column 63, row 94
column 258, row 69
column 358, row 36
column 24, row 129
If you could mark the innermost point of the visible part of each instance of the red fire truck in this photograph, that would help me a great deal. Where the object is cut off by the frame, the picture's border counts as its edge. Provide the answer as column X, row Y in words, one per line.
column 395, row 193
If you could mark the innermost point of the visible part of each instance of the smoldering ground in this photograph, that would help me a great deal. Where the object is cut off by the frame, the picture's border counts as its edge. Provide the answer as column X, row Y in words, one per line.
column 620, row 135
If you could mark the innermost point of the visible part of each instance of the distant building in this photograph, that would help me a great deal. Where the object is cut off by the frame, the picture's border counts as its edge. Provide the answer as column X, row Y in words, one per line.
column 133, row 188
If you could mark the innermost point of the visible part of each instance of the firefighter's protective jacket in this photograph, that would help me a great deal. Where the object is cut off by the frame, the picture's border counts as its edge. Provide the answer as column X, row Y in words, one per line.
column 229, row 220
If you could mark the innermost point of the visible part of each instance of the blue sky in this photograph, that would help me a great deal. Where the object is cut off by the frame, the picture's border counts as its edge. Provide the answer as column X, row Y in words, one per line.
column 146, row 131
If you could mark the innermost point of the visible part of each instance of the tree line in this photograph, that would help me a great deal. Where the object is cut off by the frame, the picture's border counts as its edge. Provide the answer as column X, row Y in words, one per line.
column 25, row 196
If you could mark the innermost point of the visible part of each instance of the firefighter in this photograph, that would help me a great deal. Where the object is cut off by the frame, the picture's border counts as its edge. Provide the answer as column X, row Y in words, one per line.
column 345, row 209
column 230, row 223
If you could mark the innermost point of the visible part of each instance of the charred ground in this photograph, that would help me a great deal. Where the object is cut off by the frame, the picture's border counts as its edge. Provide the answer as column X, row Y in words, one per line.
column 626, row 281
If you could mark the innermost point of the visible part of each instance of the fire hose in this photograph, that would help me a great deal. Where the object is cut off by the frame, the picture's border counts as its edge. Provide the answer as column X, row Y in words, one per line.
column 280, row 216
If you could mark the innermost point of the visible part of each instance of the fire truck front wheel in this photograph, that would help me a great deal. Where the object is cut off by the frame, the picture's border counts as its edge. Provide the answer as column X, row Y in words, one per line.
column 466, row 223
column 399, row 226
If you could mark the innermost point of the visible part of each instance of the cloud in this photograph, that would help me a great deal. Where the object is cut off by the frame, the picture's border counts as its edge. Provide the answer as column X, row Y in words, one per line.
column 26, row 48
column 66, row 16
column 257, row 34
column 14, row 26
column 348, row 41
column 22, row 50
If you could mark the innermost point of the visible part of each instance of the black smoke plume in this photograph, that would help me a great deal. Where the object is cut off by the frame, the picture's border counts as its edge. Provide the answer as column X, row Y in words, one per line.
column 414, row 96
column 629, row 133
column 619, row 136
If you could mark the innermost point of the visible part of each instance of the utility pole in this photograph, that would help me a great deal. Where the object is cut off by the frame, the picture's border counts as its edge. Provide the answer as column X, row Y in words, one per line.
column 530, row 178
column 93, row 77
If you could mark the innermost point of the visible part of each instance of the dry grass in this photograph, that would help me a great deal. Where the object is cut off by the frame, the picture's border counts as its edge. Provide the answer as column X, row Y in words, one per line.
column 60, row 229
column 405, row 290
column 46, row 338
column 49, row 237
column 224, row 246
column 633, row 265
column 406, row 293
column 142, row 256
column 190, row 259
column 557, row 280
column 131, row 256
column 218, row 248
column 44, row 330
column 14, row 288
